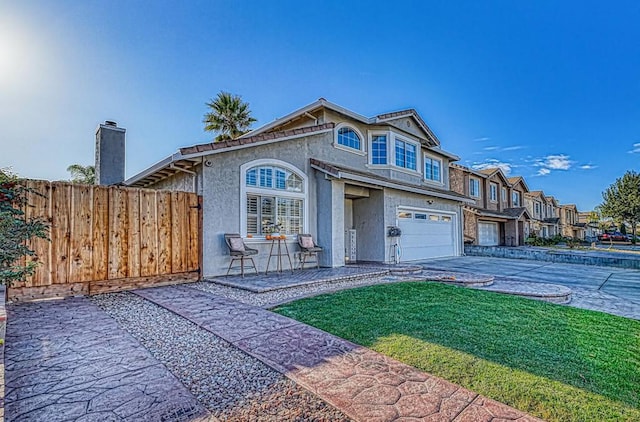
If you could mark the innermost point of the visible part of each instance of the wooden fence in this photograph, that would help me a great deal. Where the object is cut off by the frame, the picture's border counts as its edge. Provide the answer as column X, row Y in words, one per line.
column 105, row 239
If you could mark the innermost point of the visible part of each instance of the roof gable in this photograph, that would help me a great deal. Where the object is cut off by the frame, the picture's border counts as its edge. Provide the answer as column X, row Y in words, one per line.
column 518, row 179
column 490, row 172
column 391, row 119
column 397, row 118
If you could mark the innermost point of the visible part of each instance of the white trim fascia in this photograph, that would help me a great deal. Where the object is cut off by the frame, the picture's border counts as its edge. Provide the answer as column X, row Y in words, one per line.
column 447, row 154
column 424, row 128
column 178, row 156
column 306, row 109
column 392, row 185
column 154, row 168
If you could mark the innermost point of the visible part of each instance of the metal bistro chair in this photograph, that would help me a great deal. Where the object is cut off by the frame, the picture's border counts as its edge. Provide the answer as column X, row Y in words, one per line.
column 239, row 251
column 308, row 249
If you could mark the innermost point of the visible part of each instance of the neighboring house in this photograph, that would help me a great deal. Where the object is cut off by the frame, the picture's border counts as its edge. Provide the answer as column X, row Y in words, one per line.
column 570, row 222
column 591, row 226
column 327, row 171
column 492, row 219
column 543, row 211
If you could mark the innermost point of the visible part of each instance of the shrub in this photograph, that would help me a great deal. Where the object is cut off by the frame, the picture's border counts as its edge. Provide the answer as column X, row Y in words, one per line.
column 16, row 229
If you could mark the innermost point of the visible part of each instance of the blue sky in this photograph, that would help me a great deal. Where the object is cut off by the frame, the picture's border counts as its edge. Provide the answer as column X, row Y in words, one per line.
column 549, row 90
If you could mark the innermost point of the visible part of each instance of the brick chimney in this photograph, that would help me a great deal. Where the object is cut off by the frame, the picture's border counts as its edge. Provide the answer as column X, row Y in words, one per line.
column 110, row 149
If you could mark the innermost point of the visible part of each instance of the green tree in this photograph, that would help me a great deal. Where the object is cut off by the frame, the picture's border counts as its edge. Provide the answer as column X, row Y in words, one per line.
column 16, row 229
column 229, row 116
column 622, row 200
column 82, row 174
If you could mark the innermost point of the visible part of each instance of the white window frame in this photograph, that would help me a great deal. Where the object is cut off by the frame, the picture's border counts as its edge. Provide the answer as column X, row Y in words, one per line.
column 493, row 192
column 424, row 163
column 503, row 194
column 372, row 134
column 515, row 194
column 245, row 190
column 407, row 140
column 361, row 151
column 477, row 195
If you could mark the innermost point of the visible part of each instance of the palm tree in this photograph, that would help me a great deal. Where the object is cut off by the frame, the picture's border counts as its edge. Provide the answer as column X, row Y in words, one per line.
column 82, row 174
column 230, row 117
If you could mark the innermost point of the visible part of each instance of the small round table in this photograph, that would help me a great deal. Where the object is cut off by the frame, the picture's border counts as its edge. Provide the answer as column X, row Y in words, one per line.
column 278, row 254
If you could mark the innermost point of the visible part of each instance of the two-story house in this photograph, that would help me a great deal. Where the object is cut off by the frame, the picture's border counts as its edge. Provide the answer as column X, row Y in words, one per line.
column 491, row 219
column 324, row 170
column 570, row 223
column 544, row 214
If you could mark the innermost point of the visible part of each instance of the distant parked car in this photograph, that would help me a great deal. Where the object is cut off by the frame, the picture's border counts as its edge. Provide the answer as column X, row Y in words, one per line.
column 630, row 238
column 615, row 236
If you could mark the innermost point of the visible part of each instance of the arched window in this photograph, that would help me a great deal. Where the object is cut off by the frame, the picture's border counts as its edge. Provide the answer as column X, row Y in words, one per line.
column 274, row 194
column 349, row 138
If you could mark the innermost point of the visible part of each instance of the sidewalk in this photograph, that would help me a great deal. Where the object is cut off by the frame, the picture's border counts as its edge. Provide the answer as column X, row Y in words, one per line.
column 365, row 385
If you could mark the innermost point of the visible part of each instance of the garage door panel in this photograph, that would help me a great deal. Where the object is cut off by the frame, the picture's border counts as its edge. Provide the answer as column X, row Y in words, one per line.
column 426, row 238
column 488, row 234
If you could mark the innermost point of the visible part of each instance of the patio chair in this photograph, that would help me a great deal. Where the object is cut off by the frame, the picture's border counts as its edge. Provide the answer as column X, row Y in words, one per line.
column 239, row 251
column 308, row 249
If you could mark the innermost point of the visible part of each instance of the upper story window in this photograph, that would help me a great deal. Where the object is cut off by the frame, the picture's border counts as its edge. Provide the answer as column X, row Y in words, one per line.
column 536, row 208
column 272, row 194
column 406, row 154
column 515, row 197
column 493, row 192
column 379, row 149
column 349, row 138
column 504, row 194
column 474, row 187
column 432, row 169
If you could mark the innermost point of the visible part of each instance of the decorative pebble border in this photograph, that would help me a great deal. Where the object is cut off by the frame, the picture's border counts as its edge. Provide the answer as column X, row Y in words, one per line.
column 229, row 383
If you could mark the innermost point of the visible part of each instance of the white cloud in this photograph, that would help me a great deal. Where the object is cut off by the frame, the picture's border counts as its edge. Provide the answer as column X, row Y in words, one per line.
column 493, row 163
column 543, row 171
column 588, row 167
column 491, row 148
column 513, row 148
column 635, row 149
column 554, row 162
column 481, row 139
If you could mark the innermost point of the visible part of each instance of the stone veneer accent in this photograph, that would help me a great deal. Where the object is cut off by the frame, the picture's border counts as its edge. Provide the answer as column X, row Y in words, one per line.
column 3, row 330
column 602, row 259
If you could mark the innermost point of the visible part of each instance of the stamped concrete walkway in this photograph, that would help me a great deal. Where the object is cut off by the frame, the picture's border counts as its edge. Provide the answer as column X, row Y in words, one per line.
column 67, row 360
column 363, row 384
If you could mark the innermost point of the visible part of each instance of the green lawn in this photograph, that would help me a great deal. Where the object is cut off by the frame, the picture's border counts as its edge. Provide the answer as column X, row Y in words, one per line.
column 555, row 362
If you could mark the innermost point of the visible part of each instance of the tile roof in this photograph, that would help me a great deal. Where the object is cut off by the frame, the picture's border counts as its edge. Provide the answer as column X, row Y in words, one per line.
column 263, row 137
column 337, row 170
column 410, row 112
column 509, row 213
column 515, row 212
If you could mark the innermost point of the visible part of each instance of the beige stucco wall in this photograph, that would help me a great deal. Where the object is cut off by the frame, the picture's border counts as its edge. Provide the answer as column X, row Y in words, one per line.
column 179, row 181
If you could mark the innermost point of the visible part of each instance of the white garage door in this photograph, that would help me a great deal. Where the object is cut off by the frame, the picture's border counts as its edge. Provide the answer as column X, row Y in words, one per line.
column 426, row 234
column 488, row 234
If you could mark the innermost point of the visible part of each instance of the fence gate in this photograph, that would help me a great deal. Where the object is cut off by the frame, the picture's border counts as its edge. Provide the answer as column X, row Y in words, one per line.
column 106, row 239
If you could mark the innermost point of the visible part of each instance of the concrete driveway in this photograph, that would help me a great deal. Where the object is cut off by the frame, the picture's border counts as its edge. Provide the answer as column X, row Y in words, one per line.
column 613, row 290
